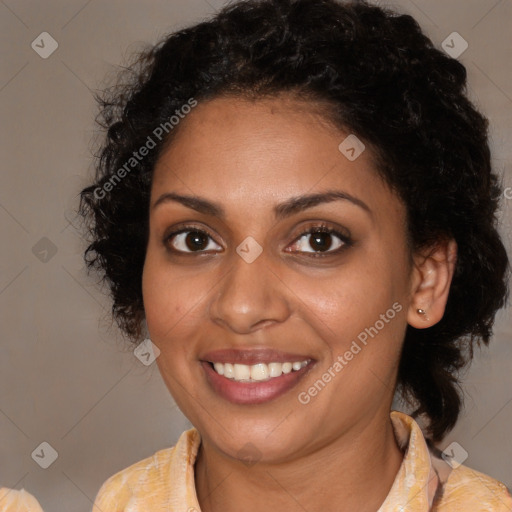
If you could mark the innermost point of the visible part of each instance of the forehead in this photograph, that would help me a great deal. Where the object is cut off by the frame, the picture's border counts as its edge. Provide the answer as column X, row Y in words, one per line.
column 263, row 151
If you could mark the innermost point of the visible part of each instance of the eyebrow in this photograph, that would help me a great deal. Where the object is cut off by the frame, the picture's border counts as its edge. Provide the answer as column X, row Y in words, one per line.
column 282, row 210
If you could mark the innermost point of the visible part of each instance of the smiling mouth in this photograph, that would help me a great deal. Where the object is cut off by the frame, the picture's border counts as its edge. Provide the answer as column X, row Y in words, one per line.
column 260, row 372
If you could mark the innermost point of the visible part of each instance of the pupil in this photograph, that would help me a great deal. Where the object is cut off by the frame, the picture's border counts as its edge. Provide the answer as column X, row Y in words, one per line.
column 319, row 239
column 195, row 240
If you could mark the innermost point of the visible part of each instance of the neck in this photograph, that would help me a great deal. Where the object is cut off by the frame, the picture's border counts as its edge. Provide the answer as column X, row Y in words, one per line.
column 351, row 472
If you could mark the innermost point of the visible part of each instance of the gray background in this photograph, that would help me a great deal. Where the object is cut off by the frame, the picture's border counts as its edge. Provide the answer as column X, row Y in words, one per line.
column 66, row 377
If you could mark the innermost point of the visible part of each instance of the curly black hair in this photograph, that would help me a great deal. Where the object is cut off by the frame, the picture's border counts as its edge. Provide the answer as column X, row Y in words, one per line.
column 384, row 81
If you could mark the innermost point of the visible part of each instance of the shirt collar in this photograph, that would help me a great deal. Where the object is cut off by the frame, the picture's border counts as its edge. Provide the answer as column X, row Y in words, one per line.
column 414, row 487
column 417, row 481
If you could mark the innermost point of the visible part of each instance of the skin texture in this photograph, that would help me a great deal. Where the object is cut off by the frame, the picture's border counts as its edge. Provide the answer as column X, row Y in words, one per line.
column 338, row 451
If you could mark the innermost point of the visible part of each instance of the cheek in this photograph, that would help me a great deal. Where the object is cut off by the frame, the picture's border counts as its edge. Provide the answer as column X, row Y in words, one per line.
column 348, row 300
column 174, row 303
column 165, row 299
column 355, row 304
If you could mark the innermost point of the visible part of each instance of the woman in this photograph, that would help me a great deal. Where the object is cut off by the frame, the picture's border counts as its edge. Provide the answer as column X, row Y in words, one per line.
column 296, row 197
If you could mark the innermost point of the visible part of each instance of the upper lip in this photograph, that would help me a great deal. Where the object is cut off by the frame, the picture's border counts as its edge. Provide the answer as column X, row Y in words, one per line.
column 252, row 356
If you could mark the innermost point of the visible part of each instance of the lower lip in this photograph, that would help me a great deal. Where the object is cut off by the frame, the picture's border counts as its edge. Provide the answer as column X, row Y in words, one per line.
column 253, row 392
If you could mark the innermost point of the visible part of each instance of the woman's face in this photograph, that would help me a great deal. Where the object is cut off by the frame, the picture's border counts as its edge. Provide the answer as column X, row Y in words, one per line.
column 244, row 283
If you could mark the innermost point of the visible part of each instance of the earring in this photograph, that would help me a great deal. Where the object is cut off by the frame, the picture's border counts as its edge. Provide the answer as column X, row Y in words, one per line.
column 421, row 311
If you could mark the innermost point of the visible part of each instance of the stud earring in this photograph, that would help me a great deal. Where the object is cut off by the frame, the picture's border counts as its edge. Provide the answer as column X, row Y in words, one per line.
column 421, row 311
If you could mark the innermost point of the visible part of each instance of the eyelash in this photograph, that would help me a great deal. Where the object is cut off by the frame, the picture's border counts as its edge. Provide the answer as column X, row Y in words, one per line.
column 320, row 228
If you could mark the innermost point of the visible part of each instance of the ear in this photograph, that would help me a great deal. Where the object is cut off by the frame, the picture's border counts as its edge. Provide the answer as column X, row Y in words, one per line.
column 430, row 283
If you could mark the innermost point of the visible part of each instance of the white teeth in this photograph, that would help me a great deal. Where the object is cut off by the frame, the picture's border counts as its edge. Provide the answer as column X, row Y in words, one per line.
column 274, row 369
column 242, row 372
column 229, row 371
column 257, row 372
column 287, row 367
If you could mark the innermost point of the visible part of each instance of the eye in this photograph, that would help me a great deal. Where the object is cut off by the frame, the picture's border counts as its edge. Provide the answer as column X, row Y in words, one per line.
column 321, row 239
column 189, row 240
column 316, row 241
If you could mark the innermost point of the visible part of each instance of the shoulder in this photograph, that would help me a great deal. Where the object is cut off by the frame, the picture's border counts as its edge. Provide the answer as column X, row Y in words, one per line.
column 468, row 489
column 148, row 474
column 12, row 500
column 148, row 481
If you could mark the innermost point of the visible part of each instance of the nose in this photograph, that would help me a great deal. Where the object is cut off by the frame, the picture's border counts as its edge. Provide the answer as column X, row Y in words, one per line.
column 251, row 296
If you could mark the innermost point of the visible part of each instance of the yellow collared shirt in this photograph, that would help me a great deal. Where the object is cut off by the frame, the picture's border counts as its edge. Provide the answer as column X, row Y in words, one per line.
column 165, row 481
